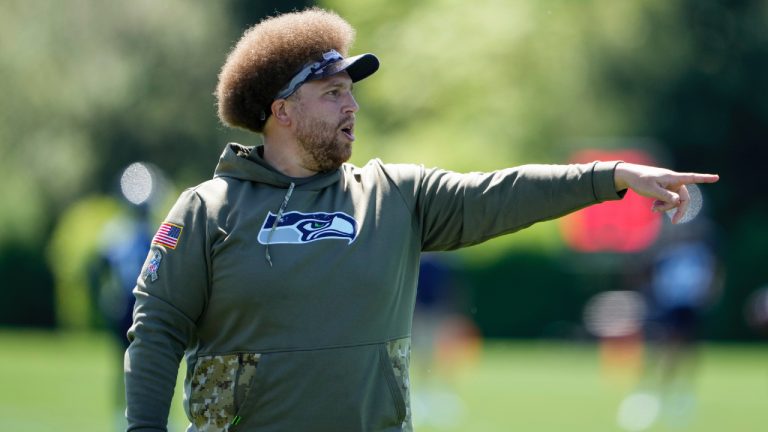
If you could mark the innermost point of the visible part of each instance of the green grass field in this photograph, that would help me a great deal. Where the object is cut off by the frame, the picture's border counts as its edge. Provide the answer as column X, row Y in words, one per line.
column 65, row 382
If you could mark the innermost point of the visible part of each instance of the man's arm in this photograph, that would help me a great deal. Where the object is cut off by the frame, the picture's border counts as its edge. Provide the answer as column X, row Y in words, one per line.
column 457, row 210
column 667, row 187
column 170, row 296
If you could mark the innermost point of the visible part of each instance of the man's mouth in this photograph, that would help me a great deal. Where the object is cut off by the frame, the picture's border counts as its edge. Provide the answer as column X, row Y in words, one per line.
column 349, row 131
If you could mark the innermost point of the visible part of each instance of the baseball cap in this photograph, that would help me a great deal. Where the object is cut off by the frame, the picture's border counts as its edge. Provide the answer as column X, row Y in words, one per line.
column 358, row 67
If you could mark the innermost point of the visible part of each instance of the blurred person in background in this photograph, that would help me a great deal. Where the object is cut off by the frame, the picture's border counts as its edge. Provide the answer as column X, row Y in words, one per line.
column 124, row 245
column 289, row 279
column 684, row 280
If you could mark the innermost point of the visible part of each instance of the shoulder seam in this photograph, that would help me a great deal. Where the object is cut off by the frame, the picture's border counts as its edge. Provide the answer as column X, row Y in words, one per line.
column 394, row 184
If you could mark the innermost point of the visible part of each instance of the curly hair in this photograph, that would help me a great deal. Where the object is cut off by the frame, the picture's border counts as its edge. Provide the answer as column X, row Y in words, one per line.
column 268, row 55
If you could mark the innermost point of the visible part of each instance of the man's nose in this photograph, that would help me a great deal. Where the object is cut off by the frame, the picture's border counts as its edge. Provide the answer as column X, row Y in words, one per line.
column 350, row 104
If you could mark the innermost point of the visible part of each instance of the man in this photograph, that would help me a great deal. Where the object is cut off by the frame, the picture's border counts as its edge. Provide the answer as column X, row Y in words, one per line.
column 289, row 278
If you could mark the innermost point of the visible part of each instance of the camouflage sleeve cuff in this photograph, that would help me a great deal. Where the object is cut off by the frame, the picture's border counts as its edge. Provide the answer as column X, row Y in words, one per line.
column 603, row 182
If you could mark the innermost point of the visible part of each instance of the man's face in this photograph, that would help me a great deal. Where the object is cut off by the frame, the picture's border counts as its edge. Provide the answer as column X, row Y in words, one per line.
column 325, row 121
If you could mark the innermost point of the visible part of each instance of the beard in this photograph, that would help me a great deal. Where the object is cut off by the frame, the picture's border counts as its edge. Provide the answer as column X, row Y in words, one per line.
column 323, row 149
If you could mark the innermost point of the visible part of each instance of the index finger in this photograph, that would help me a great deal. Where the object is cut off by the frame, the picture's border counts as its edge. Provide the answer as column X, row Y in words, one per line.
column 689, row 178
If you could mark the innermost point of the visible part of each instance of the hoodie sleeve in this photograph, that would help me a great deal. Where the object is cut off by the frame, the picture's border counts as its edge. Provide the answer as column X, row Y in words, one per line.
column 457, row 210
column 170, row 295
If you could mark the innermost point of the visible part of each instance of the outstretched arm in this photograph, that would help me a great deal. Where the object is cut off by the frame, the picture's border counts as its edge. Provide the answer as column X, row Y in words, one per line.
column 665, row 186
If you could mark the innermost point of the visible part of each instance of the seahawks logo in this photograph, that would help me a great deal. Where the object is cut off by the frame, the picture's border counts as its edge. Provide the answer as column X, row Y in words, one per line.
column 299, row 228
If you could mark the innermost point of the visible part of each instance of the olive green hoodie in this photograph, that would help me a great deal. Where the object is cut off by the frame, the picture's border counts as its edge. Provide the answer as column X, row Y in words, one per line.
column 293, row 298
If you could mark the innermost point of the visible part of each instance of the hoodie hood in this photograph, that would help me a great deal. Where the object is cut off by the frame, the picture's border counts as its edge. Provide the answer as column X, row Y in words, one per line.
column 246, row 163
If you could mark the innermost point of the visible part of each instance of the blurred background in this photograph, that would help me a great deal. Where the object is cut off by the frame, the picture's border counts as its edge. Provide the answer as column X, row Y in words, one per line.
column 609, row 319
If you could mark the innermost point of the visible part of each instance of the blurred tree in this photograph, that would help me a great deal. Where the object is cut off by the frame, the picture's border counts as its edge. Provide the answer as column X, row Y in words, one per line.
column 69, row 71
column 245, row 13
column 89, row 87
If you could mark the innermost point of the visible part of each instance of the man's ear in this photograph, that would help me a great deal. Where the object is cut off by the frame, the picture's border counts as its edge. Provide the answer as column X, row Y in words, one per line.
column 280, row 112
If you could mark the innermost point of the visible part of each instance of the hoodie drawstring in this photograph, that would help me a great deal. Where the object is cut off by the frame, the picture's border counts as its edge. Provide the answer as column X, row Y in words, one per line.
column 277, row 219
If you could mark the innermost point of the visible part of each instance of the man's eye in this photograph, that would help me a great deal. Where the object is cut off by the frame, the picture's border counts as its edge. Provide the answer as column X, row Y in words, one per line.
column 333, row 93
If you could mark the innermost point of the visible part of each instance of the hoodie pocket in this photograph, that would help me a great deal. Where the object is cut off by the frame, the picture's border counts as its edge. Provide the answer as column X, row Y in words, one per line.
column 219, row 387
column 332, row 389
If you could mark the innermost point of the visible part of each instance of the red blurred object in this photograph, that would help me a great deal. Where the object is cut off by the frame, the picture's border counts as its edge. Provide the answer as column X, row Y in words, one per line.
column 627, row 225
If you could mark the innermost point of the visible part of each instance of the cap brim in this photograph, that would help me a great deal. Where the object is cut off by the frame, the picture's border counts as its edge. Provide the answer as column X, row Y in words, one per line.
column 358, row 67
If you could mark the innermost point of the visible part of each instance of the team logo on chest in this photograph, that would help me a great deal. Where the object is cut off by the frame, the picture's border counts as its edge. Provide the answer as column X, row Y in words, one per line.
column 299, row 228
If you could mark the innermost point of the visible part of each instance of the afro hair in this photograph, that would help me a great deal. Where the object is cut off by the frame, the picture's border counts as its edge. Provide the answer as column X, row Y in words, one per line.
column 268, row 55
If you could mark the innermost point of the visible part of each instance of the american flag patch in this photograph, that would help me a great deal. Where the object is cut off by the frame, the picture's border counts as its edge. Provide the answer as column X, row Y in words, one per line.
column 168, row 235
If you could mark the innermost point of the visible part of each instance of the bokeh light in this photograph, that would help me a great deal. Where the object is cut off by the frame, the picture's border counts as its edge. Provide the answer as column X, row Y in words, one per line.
column 614, row 313
column 137, row 183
